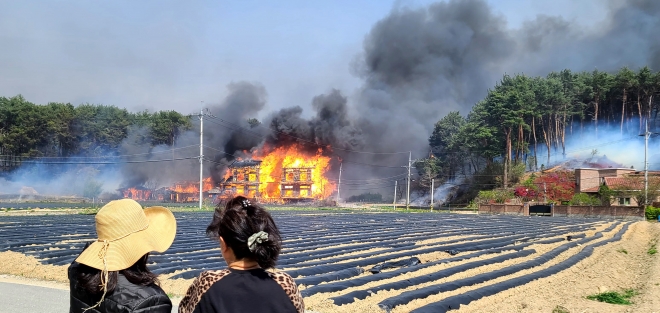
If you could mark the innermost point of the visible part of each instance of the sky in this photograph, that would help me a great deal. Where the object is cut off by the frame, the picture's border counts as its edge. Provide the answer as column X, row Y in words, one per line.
column 171, row 55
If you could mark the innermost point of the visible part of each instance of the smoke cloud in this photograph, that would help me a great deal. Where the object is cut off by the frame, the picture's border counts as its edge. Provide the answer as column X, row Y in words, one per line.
column 417, row 65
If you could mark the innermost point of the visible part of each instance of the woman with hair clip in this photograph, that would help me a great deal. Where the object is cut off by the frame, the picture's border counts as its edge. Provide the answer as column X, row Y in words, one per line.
column 250, row 244
column 111, row 275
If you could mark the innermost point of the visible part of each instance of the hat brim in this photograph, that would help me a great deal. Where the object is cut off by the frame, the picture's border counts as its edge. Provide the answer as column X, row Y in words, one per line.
column 123, row 253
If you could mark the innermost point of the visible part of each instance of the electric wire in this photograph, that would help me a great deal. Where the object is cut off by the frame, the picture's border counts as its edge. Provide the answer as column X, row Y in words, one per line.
column 302, row 139
column 109, row 163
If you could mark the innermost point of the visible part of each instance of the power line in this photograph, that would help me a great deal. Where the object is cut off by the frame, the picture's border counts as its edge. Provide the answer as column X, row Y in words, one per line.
column 373, row 179
column 109, row 163
column 260, row 136
column 374, row 165
column 218, row 150
column 304, row 140
column 115, row 156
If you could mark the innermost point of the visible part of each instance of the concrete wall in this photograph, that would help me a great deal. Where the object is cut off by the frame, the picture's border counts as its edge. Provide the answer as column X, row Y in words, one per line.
column 567, row 210
column 586, row 178
column 507, row 209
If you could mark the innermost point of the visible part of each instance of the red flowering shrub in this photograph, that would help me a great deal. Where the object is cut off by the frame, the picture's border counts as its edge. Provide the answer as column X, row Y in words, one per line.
column 557, row 186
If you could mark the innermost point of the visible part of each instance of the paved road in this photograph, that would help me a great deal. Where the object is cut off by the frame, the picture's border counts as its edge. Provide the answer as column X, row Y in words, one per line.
column 23, row 298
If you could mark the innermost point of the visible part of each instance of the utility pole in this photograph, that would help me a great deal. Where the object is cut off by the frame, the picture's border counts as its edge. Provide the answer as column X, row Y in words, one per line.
column 408, row 189
column 647, row 134
column 646, row 164
column 432, row 183
column 339, row 182
column 545, row 195
column 201, row 151
column 394, row 203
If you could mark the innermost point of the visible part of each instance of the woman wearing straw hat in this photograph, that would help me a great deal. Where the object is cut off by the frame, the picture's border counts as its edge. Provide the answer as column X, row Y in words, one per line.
column 250, row 243
column 111, row 274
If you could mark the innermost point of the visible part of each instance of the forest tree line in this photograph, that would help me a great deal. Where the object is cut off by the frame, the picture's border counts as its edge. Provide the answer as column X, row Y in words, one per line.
column 62, row 130
column 492, row 145
column 522, row 113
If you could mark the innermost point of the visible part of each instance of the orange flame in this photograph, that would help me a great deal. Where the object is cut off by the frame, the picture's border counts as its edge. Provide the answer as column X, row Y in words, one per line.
column 310, row 181
column 137, row 194
column 192, row 187
column 273, row 163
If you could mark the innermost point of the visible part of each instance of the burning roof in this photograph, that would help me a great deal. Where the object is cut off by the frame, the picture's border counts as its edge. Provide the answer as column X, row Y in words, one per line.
column 245, row 163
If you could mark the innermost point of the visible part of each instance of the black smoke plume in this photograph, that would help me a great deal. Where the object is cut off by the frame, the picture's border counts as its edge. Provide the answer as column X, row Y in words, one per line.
column 418, row 64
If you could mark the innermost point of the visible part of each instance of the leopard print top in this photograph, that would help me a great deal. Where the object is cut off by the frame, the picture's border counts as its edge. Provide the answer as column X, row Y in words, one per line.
column 207, row 278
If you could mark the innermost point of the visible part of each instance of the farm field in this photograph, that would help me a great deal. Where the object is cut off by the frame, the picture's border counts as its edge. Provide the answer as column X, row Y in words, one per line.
column 398, row 262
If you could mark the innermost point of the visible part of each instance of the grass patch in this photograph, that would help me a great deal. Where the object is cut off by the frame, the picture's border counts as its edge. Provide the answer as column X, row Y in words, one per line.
column 560, row 309
column 88, row 211
column 653, row 249
column 624, row 251
column 614, row 297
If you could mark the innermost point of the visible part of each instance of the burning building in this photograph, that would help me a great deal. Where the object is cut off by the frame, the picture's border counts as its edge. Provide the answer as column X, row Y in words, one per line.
column 137, row 193
column 188, row 191
column 287, row 174
column 296, row 183
column 271, row 175
column 243, row 179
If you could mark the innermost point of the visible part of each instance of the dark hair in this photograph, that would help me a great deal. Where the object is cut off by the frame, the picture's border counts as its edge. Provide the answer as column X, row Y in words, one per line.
column 239, row 220
column 89, row 278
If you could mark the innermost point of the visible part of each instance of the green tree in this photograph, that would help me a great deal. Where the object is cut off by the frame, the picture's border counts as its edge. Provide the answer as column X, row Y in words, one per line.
column 92, row 188
column 625, row 80
column 645, row 90
column 600, row 83
column 24, row 128
column 165, row 127
column 508, row 104
column 444, row 142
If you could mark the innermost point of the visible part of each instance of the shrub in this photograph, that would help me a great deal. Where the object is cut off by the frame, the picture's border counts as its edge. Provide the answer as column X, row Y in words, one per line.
column 605, row 194
column 584, row 199
column 525, row 192
column 652, row 213
column 614, row 297
column 497, row 196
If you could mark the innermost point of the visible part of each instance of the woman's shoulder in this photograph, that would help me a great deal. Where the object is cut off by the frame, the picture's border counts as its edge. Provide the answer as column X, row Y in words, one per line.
column 285, row 280
column 129, row 297
column 290, row 287
column 200, row 285
column 213, row 275
column 142, row 291
column 206, row 279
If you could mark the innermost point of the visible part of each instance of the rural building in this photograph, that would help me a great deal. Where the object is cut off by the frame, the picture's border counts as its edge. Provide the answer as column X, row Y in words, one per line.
column 296, row 183
column 243, row 179
column 184, row 191
column 624, row 181
column 137, row 193
column 589, row 180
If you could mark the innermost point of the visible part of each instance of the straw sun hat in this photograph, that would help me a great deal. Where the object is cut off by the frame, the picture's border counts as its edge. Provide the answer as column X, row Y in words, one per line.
column 126, row 233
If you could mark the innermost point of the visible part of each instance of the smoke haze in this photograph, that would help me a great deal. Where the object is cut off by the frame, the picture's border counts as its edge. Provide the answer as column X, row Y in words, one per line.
column 417, row 64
